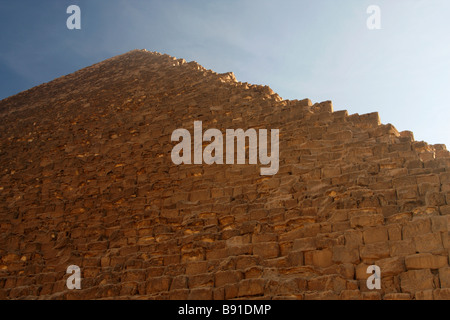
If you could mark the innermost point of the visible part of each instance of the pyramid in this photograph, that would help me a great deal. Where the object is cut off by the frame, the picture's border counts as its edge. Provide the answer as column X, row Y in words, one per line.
column 87, row 180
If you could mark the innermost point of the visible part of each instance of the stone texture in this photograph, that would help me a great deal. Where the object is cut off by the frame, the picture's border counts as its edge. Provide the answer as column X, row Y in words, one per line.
column 425, row 261
column 444, row 276
column 86, row 178
column 417, row 280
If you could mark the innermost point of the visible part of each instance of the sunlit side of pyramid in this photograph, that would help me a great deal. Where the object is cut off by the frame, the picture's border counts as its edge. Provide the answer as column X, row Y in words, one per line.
column 86, row 179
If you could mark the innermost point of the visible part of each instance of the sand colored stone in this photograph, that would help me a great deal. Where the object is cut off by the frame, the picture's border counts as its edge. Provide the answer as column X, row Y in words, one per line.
column 86, row 179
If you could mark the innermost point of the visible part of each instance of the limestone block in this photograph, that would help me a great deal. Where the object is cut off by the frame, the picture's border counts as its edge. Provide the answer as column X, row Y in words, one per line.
column 441, row 294
column 416, row 280
column 305, row 244
column 424, row 295
column 201, row 280
column 444, row 277
column 251, row 287
column 435, row 199
column 375, row 251
column 429, row 242
column 266, row 250
column 420, row 226
column 375, row 234
column 440, row 224
column 397, row 296
column 200, row 294
column 367, row 220
column 345, row 254
column 371, row 295
column 407, row 192
column 319, row 258
column 179, row 283
column 425, row 261
column 395, row 232
column 350, row 295
column 391, row 266
column 160, row 284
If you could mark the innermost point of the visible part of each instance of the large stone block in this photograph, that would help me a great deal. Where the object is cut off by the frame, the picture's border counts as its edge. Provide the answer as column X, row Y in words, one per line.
column 440, row 224
column 251, row 287
column 429, row 242
column 407, row 192
column 425, row 261
column 305, row 244
column 201, row 280
column 416, row 280
column 266, row 250
column 394, row 232
column 441, row 294
column 350, row 295
column 193, row 268
column 87, row 179
column 160, row 284
column 353, row 238
column 367, row 220
column 319, row 258
column 397, row 296
column 227, row 277
column 424, row 295
column 391, row 266
column 375, row 234
column 327, row 282
column 296, row 258
column 344, row 254
column 179, row 283
column 444, row 277
column 200, row 294
column 402, row 248
column 416, row 227
column 435, row 199
column 375, row 251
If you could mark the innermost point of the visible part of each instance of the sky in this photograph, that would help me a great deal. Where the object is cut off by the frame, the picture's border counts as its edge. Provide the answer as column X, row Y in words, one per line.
column 321, row 50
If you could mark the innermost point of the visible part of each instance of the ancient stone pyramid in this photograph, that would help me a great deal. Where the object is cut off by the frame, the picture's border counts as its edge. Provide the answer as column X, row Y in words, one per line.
column 87, row 179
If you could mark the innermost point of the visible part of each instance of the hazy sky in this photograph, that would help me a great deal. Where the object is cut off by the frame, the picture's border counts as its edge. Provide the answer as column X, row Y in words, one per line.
column 319, row 49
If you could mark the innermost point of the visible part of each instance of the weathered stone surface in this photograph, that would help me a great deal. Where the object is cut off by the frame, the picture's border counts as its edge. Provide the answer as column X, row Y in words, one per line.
column 344, row 254
column 251, row 287
column 372, row 252
column 225, row 277
column 350, row 295
column 424, row 295
column 266, row 249
column 87, row 179
column 429, row 242
column 319, row 258
column 441, row 294
column 425, row 261
column 416, row 280
column 391, row 266
column 444, row 277
column 366, row 220
column 402, row 248
column 397, row 296
column 305, row 244
column 376, row 234
column 417, row 227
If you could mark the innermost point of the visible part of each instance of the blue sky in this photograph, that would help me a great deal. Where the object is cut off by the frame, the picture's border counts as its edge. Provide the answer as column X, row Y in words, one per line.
column 320, row 49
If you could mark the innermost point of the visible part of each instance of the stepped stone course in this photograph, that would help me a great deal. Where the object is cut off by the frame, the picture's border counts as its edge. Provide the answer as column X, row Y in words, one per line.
column 86, row 179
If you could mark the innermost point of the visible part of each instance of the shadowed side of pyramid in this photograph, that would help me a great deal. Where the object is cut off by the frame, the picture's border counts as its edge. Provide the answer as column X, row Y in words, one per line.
column 87, row 179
